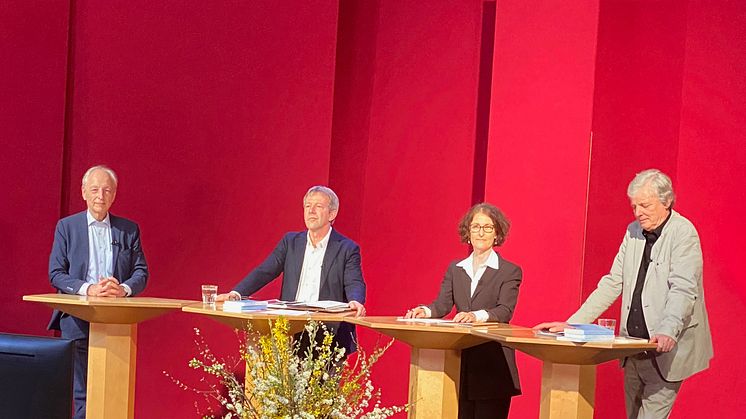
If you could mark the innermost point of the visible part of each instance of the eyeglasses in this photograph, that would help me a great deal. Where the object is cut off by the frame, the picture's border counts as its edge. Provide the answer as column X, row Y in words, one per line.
column 487, row 228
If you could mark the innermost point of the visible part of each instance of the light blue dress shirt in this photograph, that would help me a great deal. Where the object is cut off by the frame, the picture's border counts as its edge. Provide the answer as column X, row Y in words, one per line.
column 100, row 255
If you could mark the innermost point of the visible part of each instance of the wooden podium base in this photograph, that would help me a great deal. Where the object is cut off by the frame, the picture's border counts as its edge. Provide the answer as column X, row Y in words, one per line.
column 433, row 383
column 112, row 353
column 567, row 391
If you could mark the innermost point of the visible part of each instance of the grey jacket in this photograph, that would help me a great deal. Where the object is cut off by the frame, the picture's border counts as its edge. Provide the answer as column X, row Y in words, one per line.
column 673, row 300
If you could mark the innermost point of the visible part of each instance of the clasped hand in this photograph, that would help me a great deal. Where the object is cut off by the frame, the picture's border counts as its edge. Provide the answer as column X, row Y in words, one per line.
column 107, row 287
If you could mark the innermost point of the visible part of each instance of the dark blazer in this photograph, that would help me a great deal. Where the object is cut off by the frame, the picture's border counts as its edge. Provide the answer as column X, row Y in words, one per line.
column 341, row 275
column 488, row 370
column 68, row 264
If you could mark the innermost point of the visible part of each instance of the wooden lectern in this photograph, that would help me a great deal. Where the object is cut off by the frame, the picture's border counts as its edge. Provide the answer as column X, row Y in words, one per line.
column 435, row 362
column 259, row 319
column 112, row 345
column 568, row 379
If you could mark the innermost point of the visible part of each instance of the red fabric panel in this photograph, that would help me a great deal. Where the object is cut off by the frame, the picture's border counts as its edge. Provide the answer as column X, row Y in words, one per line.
column 217, row 119
column 538, row 157
column 710, row 189
column 419, row 143
column 357, row 30
column 32, row 104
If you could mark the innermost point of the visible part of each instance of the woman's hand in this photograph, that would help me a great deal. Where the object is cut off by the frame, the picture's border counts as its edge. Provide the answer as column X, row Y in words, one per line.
column 415, row 313
column 465, row 317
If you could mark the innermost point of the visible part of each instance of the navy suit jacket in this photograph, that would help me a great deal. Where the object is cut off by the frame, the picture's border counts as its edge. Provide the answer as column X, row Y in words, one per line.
column 341, row 275
column 68, row 264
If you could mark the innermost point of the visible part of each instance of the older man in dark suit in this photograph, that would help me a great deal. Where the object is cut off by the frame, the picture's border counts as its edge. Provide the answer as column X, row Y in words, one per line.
column 317, row 264
column 97, row 254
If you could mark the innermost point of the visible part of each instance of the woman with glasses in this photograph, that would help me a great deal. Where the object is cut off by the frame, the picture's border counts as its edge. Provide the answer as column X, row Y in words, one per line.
column 484, row 288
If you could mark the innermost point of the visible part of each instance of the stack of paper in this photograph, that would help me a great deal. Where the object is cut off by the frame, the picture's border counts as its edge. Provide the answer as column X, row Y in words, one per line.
column 587, row 333
column 244, row 305
column 323, row 306
column 546, row 332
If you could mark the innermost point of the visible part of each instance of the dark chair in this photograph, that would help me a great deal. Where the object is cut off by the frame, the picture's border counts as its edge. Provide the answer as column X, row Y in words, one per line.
column 36, row 377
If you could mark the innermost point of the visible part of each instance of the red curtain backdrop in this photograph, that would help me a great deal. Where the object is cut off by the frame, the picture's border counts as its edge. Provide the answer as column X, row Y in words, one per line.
column 711, row 163
column 218, row 118
column 416, row 181
column 538, row 156
column 32, row 109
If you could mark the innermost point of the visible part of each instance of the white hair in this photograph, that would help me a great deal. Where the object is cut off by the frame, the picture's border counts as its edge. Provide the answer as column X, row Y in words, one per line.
column 659, row 183
column 333, row 200
column 106, row 169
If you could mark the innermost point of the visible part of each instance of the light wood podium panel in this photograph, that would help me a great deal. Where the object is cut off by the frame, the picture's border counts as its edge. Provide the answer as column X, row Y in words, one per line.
column 112, row 345
column 568, row 379
column 259, row 320
column 435, row 361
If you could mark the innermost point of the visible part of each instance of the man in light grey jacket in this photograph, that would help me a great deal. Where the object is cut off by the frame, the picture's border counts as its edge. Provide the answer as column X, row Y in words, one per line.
column 658, row 272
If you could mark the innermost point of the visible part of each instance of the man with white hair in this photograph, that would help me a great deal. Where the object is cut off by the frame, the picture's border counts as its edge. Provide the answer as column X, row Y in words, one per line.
column 98, row 254
column 658, row 272
column 316, row 264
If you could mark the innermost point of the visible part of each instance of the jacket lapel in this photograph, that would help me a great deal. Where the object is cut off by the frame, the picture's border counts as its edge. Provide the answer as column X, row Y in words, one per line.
column 332, row 249
column 657, row 247
column 637, row 242
column 83, row 232
column 116, row 244
column 489, row 275
column 296, row 266
column 462, row 290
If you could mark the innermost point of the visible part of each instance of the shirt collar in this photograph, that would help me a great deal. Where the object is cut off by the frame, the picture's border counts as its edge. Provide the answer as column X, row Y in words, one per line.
column 652, row 236
column 492, row 261
column 320, row 245
column 92, row 220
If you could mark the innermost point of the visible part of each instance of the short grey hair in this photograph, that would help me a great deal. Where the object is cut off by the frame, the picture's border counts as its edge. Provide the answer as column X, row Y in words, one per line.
column 106, row 169
column 333, row 200
column 657, row 181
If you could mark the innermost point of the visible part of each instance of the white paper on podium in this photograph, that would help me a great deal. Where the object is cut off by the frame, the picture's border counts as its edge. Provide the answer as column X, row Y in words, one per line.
column 424, row 321
column 282, row 312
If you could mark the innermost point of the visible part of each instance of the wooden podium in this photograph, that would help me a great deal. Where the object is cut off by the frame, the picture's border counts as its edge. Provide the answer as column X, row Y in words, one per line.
column 259, row 319
column 112, row 345
column 435, row 362
column 568, row 379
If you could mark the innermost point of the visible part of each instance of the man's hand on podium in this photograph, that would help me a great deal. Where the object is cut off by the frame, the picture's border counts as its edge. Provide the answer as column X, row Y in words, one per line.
column 359, row 308
column 552, row 326
column 665, row 343
column 107, row 287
